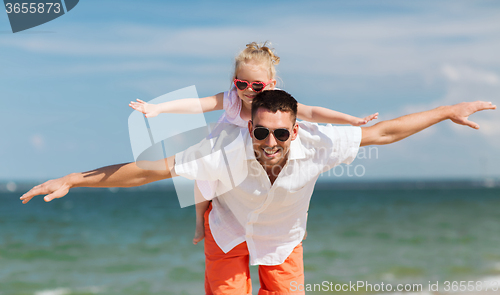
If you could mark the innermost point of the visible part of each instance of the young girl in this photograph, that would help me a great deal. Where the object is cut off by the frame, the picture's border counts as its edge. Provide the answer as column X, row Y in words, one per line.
column 254, row 72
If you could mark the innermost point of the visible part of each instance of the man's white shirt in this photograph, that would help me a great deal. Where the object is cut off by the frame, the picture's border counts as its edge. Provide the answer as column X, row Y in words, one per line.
column 270, row 218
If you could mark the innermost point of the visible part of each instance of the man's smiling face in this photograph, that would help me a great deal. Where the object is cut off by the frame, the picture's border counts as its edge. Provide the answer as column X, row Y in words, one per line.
column 270, row 151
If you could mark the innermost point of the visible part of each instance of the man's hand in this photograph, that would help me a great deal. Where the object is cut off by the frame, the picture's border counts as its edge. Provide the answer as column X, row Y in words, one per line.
column 55, row 188
column 460, row 113
column 120, row 175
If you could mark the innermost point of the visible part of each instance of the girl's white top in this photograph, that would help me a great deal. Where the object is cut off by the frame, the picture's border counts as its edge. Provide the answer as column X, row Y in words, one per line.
column 232, row 108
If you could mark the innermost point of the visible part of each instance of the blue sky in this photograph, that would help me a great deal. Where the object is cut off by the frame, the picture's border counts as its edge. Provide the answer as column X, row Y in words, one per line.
column 65, row 85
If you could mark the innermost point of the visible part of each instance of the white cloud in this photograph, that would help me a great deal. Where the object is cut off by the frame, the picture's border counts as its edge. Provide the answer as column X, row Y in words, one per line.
column 468, row 74
column 125, row 40
column 490, row 127
column 469, row 84
column 392, row 44
column 451, row 49
column 38, row 142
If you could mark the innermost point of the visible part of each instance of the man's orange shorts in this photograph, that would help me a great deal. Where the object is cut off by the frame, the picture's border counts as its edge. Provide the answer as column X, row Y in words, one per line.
column 229, row 273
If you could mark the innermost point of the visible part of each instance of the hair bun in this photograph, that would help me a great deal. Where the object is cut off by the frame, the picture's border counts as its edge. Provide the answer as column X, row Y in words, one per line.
column 253, row 46
column 266, row 48
column 260, row 53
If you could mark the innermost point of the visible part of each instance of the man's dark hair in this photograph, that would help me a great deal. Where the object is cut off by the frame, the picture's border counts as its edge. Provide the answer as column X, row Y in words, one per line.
column 275, row 100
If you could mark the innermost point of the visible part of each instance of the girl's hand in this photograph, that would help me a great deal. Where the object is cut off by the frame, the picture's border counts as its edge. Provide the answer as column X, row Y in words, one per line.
column 359, row 121
column 149, row 110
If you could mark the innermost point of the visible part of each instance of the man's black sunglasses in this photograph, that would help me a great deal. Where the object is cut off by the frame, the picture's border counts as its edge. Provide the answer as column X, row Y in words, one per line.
column 261, row 133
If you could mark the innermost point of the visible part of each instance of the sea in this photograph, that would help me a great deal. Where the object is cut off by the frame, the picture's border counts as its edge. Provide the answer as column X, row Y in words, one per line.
column 139, row 241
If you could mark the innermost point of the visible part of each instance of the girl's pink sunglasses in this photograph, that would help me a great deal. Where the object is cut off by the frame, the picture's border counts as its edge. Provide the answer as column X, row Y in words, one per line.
column 256, row 86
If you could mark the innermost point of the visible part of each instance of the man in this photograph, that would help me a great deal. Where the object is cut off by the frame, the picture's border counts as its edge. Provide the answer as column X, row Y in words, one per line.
column 261, row 209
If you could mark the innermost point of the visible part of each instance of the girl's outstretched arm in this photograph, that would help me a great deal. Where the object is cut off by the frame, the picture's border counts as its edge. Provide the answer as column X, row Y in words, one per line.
column 180, row 106
column 324, row 115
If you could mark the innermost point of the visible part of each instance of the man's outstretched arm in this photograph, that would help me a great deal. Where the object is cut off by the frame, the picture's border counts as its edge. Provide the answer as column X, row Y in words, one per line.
column 390, row 131
column 121, row 175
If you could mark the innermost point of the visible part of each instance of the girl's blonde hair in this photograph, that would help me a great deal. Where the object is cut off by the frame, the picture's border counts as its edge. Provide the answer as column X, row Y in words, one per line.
column 261, row 53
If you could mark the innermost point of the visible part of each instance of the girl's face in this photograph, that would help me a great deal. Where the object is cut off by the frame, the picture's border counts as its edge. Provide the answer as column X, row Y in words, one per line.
column 252, row 72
